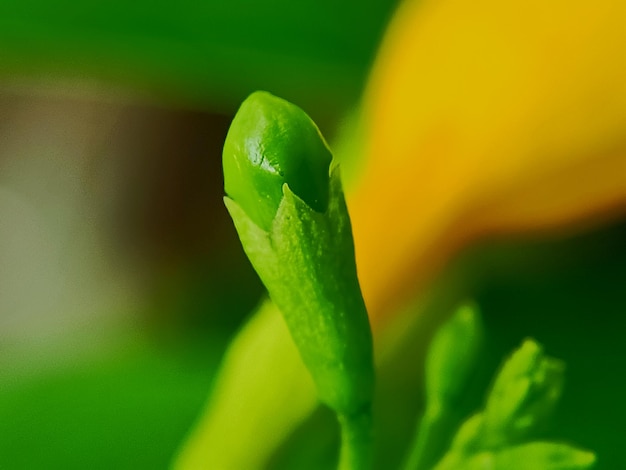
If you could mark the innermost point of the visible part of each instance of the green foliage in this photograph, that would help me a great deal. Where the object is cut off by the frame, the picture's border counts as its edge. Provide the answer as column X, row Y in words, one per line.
column 518, row 408
column 450, row 363
column 305, row 257
column 208, row 55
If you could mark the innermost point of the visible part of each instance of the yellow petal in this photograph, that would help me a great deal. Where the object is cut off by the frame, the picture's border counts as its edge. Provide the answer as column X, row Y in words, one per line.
column 486, row 117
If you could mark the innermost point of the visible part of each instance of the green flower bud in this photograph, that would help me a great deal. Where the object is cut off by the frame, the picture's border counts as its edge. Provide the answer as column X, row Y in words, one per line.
column 294, row 226
column 452, row 358
column 523, row 395
column 272, row 142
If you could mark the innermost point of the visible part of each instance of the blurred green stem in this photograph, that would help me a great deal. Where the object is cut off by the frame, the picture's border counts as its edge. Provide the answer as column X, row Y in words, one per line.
column 356, row 440
column 432, row 438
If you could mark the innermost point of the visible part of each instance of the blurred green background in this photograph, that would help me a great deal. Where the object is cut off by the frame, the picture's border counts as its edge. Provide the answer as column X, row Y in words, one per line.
column 121, row 277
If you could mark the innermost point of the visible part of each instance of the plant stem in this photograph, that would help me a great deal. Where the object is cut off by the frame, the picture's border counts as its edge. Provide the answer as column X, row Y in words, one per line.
column 432, row 437
column 356, row 440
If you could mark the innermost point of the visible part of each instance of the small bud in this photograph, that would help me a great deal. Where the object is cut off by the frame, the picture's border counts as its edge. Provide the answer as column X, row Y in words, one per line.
column 524, row 395
column 452, row 358
column 272, row 142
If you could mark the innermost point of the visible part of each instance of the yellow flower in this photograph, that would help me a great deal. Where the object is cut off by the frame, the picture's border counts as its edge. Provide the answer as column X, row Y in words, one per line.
column 482, row 117
column 486, row 117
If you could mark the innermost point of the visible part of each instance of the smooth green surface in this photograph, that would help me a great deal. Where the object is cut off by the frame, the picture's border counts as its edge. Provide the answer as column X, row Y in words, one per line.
column 272, row 142
column 357, row 440
column 127, row 409
column 201, row 54
column 261, row 394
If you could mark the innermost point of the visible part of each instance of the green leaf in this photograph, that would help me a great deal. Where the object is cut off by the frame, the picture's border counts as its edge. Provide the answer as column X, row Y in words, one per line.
column 250, row 402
